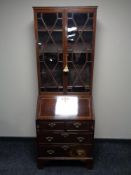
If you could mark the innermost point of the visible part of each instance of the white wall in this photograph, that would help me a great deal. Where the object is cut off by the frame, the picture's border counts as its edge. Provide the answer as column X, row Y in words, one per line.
column 112, row 80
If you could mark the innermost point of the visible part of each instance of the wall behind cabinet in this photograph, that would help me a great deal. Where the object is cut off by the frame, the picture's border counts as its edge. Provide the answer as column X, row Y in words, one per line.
column 112, row 81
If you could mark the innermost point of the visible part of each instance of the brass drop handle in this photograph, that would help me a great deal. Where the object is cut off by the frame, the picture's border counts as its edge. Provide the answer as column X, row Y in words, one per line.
column 66, row 69
column 80, row 139
column 50, row 151
column 77, row 124
column 49, row 139
column 51, row 124
column 65, row 147
column 81, row 152
column 64, row 134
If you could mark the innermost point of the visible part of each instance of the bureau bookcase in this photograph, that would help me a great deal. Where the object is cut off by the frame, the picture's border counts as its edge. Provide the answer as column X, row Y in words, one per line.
column 65, row 43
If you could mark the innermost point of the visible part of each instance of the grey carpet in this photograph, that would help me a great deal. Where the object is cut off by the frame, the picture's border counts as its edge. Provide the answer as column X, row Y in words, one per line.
column 17, row 157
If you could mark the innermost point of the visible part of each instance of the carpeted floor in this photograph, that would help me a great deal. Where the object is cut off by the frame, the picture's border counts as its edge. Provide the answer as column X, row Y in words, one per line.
column 17, row 157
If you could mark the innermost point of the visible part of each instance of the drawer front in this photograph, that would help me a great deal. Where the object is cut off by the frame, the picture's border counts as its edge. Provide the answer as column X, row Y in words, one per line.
column 80, row 151
column 65, row 137
column 66, row 125
column 80, row 125
column 50, row 151
column 50, row 125
column 65, row 150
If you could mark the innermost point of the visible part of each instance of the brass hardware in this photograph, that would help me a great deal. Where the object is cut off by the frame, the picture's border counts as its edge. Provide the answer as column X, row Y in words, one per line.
column 66, row 69
column 92, row 127
column 37, row 127
column 50, row 151
column 80, row 139
column 77, row 124
column 51, row 124
column 49, row 139
column 65, row 147
column 65, row 134
column 81, row 152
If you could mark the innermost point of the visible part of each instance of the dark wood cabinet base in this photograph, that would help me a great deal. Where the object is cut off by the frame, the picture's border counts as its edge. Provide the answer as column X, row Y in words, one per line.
column 87, row 162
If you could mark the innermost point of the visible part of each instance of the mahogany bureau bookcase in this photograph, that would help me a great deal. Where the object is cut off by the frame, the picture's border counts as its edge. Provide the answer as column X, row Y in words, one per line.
column 65, row 43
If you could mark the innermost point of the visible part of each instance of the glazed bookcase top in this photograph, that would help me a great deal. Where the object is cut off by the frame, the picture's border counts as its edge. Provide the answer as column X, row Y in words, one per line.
column 65, row 42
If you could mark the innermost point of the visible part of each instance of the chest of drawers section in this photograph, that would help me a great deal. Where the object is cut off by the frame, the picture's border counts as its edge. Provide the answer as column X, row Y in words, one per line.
column 65, row 139
column 66, row 136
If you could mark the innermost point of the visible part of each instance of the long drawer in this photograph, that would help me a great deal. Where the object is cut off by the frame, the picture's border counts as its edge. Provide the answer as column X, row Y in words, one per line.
column 64, row 137
column 65, row 125
column 65, row 150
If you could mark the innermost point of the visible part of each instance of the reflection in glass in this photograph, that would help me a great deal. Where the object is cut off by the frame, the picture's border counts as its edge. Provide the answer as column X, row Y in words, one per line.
column 71, row 29
column 66, row 106
column 71, row 35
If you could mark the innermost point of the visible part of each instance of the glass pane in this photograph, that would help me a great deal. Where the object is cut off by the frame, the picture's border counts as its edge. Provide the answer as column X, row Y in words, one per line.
column 79, row 72
column 79, row 38
column 51, row 72
column 80, row 28
column 50, row 51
